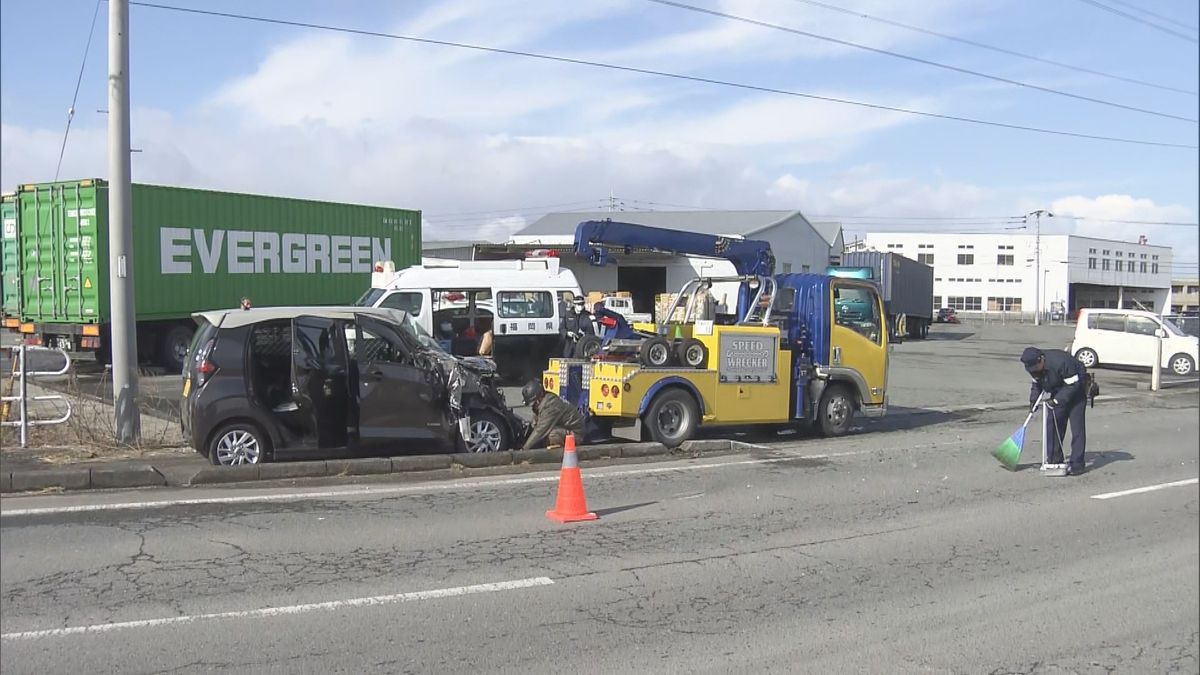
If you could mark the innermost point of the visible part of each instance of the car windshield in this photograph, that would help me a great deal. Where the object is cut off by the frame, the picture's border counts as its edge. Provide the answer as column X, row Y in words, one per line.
column 413, row 330
column 1172, row 328
column 370, row 297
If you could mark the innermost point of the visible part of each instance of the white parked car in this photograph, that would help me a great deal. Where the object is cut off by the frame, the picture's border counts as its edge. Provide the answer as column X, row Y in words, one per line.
column 1127, row 337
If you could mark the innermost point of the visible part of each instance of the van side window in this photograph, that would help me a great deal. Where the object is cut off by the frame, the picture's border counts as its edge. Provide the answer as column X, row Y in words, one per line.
column 404, row 300
column 525, row 304
column 1140, row 325
column 272, row 341
column 1106, row 322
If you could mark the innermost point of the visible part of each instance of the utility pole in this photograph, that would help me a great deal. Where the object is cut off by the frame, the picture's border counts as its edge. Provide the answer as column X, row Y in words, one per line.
column 123, row 336
column 1037, row 275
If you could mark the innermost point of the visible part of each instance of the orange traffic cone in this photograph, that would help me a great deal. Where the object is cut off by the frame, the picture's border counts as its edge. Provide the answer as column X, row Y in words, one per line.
column 571, row 505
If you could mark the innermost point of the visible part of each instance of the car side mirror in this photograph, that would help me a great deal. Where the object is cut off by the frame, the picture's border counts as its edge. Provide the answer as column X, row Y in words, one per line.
column 1160, row 333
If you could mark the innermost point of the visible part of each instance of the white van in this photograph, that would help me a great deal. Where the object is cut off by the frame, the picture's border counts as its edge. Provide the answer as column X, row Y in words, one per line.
column 1127, row 337
column 456, row 302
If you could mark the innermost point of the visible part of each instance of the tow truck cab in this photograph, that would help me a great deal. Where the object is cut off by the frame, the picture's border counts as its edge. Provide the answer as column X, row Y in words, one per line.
column 813, row 349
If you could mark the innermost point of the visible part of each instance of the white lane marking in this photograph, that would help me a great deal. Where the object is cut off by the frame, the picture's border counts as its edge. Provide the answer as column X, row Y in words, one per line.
column 373, row 491
column 286, row 610
column 1148, row 488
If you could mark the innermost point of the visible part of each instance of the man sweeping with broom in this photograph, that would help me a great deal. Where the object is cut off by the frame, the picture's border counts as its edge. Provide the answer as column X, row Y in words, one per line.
column 1059, row 377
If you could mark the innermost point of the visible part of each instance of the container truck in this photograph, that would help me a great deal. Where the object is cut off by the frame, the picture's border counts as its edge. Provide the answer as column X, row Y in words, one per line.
column 906, row 286
column 193, row 250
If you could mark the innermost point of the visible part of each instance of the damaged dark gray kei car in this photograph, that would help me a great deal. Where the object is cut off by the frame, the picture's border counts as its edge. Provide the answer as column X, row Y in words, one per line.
column 317, row 382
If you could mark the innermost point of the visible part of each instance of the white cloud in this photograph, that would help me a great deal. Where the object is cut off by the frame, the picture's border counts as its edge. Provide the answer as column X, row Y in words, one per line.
column 1128, row 207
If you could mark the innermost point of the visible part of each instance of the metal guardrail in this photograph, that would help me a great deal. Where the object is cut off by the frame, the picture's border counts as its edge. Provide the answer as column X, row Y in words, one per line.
column 22, row 398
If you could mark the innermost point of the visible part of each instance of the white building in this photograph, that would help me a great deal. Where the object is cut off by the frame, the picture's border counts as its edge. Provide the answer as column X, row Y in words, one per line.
column 998, row 273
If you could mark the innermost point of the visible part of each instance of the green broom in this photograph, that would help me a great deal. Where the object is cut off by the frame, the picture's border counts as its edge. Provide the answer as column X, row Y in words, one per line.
column 1009, row 452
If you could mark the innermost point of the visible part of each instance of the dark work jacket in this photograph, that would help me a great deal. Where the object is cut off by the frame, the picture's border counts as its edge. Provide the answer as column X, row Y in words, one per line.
column 576, row 323
column 553, row 413
column 1063, row 378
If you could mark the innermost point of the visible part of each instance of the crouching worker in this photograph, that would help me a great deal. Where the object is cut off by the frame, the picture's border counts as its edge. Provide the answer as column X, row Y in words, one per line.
column 1063, row 382
column 553, row 418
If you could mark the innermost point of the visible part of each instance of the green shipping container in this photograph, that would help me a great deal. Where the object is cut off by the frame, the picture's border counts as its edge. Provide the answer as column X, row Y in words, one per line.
column 10, row 260
column 198, row 249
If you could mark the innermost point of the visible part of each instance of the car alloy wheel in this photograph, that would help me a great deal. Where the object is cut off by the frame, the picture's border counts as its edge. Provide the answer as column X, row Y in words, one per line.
column 238, row 446
column 486, row 436
column 1182, row 365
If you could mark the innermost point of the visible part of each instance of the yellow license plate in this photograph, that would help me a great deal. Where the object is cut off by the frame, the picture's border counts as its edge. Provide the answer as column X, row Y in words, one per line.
column 187, row 387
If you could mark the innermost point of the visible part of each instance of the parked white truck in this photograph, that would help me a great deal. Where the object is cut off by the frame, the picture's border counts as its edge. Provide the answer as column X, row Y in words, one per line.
column 624, row 306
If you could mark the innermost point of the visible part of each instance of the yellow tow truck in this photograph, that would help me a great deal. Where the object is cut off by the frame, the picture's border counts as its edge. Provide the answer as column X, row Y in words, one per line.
column 802, row 349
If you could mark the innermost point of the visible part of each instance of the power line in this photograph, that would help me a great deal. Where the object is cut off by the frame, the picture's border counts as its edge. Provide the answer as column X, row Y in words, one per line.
column 75, row 97
column 1143, row 10
column 435, row 216
column 659, row 73
column 1139, row 19
column 917, row 59
column 1000, row 50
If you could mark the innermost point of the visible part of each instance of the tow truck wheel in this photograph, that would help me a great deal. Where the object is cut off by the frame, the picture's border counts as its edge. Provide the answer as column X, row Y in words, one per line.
column 672, row 418
column 587, row 347
column 655, row 352
column 692, row 353
column 836, row 410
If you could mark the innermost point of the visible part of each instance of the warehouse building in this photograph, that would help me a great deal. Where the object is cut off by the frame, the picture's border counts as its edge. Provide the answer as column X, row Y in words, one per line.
column 998, row 273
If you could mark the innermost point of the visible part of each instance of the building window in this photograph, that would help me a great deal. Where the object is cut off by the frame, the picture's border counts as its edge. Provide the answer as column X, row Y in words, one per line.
column 1004, row 248
column 1091, row 263
column 1143, row 267
column 1120, row 264
column 1177, row 289
column 1107, row 264
column 974, row 303
column 1004, row 260
column 1119, row 254
column 937, row 302
column 895, row 245
column 1004, row 304
column 1154, row 268
column 1091, row 250
column 1143, row 256
column 1106, row 251
column 926, row 258
column 1154, row 257
column 938, row 279
column 966, row 258
column 966, row 247
column 924, row 245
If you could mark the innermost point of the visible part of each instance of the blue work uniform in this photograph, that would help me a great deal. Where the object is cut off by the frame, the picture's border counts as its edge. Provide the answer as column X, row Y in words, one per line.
column 1065, row 380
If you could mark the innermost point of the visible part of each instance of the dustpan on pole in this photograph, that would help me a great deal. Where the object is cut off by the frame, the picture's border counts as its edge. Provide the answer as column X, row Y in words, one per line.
column 1009, row 452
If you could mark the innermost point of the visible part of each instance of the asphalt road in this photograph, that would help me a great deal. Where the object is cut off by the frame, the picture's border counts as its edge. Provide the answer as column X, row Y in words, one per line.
column 905, row 551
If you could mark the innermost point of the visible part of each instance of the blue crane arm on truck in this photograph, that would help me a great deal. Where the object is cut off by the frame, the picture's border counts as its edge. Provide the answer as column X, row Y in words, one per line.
column 595, row 238
column 806, row 349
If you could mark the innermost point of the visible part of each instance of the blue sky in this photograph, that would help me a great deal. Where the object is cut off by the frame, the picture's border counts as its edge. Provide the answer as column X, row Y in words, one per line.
column 252, row 107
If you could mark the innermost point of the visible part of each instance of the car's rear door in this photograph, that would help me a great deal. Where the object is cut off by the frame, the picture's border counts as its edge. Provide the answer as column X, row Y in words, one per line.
column 319, row 382
column 399, row 401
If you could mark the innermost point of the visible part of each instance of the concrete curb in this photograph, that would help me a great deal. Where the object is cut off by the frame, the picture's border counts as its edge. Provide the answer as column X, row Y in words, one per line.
column 147, row 475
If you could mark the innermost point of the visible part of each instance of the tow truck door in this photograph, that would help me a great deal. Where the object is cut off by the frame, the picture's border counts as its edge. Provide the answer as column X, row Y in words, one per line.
column 858, row 334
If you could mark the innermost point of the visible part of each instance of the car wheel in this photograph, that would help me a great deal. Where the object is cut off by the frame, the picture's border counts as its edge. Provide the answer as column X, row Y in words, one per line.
column 692, row 353
column 1087, row 357
column 655, row 352
column 174, row 348
column 488, row 433
column 835, row 411
column 1182, row 364
column 587, row 347
column 672, row 418
column 239, row 443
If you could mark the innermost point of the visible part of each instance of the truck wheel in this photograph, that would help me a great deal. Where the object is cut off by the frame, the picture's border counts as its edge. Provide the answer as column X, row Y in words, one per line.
column 174, row 348
column 835, row 411
column 587, row 347
column 672, row 418
column 692, row 353
column 655, row 353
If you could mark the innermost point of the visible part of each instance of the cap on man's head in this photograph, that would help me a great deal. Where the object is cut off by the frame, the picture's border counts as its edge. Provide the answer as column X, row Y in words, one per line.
column 1030, row 357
